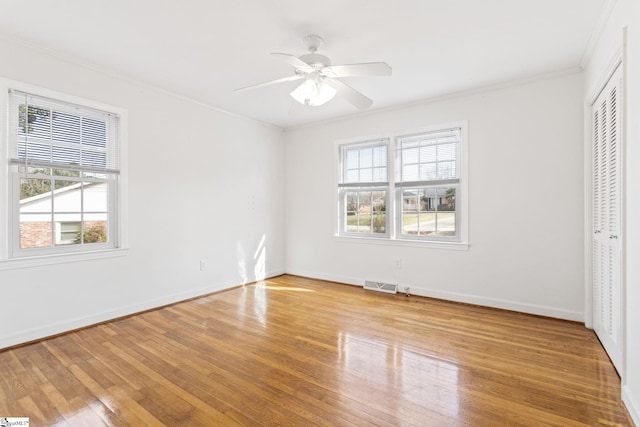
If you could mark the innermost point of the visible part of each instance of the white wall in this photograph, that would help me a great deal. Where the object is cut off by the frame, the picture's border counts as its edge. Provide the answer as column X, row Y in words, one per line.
column 526, row 252
column 626, row 14
column 203, row 185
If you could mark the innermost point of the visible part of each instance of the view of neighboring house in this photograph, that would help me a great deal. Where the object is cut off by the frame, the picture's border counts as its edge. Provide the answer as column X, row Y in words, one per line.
column 57, row 217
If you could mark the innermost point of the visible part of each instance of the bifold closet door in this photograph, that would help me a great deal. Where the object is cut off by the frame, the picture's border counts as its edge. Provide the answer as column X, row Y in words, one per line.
column 606, row 238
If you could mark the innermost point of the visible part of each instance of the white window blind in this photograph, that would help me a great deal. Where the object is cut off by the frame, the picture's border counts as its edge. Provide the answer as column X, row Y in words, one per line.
column 50, row 133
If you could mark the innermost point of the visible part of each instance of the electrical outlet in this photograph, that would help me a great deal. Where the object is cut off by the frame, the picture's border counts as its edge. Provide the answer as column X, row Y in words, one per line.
column 398, row 264
column 203, row 265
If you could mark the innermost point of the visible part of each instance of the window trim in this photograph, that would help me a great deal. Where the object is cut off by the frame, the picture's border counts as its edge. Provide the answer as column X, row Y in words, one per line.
column 393, row 236
column 9, row 259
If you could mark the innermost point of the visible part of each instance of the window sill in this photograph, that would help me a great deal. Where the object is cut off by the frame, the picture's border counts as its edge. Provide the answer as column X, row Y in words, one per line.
column 454, row 246
column 37, row 261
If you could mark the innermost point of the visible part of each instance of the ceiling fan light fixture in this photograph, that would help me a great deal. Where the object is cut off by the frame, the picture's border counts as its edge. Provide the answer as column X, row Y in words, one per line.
column 313, row 92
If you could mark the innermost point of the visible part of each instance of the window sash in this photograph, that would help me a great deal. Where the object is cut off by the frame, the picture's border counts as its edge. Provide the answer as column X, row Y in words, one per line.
column 364, row 163
column 423, row 160
column 368, row 216
column 47, row 132
column 433, row 215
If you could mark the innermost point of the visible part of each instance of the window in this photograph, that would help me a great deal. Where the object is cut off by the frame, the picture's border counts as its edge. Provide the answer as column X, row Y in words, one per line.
column 64, row 166
column 427, row 185
column 364, row 189
column 425, row 176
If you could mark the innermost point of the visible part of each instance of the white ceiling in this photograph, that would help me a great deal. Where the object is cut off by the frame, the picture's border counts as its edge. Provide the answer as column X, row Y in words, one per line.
column 203, row 49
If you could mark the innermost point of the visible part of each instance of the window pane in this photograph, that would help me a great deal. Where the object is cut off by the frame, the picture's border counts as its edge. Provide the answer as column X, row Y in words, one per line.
column 428, row 153
column 379, row 220
column 366, row 157
column 94, row 132
column 352, row 202
column 95, row 228
column 410, row 223
column 429, row 211
column 428, row 199
column 35, row 231
column 66, row 127
column 427, row 223
column 68, row 199
column 37, row 124
column 446, row 152
column 97, row 159
column 30, row 187
column 34, row 151
column 364, row 202
column 428, row 171
column 95, row 197
column 380, row 155
column 410, row 155
column 366, row 212
column 380, row 174
column 366, row 175
column 67, row 229
column 446, row 224
column 352, row 175
column 448, row 199
column 410, row 173
column 69, row 233
column 410, row 200
column 352, row 159
column 446, row 170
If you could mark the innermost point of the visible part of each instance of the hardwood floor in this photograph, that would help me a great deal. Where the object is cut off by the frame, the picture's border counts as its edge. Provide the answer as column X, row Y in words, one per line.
column 296, row 351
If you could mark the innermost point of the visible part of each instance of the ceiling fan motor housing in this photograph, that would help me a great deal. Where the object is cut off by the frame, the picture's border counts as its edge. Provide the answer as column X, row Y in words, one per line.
column 316, row 60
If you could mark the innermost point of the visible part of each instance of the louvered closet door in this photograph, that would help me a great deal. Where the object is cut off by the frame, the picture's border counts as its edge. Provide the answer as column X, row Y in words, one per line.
column 606, row 243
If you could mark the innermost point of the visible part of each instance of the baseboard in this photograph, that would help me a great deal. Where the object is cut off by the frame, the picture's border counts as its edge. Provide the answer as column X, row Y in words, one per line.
column 632, row 407
column 538, row 310
column 57, row 328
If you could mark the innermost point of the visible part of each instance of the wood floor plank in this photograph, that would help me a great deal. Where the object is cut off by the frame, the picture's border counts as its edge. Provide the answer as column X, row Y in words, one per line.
column 298, row 351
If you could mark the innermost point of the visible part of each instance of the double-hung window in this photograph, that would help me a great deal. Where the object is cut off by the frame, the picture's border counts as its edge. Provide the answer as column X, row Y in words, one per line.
column 409, row 186
column 364, row 188
column 428, row 181
column 64, row 169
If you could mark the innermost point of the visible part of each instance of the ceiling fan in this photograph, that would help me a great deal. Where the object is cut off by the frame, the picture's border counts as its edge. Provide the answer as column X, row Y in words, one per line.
column 321, row 79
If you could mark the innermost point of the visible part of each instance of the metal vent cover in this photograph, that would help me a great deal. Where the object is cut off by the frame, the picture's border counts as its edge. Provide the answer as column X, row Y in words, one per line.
column 380, row 286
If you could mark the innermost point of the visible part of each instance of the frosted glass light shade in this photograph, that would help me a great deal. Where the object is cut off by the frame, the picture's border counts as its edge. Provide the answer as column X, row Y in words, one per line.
column 312, row 92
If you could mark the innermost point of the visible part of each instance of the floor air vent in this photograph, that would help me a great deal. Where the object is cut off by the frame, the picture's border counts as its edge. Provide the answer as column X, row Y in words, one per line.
column 381, row 286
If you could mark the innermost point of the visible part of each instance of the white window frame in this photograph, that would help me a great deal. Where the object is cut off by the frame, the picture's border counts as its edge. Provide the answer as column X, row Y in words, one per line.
column 11, row 256
column 394, row 193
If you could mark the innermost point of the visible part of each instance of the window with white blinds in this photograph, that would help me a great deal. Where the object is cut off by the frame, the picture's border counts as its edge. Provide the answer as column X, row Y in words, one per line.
column 65, row 167
column 49, row 133
column 425, row 172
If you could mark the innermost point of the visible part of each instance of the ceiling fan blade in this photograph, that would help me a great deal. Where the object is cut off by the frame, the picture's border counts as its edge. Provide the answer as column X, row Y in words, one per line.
column 350, row 94
column 294, row 60
column 364, row 69
column 271, row 82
